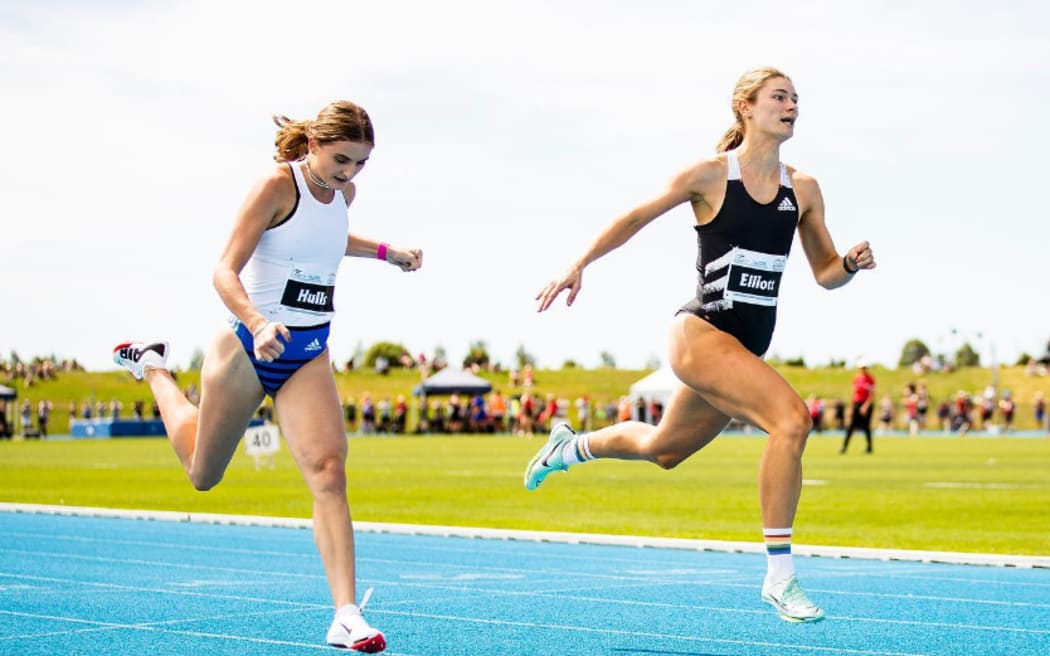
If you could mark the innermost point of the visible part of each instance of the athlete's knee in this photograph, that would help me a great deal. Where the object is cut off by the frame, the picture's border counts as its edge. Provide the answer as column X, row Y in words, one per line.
column 662, row 455
column 794, row 426
column 668, row 459
column 204, row 481
column 328, row 475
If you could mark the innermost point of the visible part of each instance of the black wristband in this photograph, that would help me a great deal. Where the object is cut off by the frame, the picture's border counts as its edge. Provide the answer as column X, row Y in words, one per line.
column 845, row 265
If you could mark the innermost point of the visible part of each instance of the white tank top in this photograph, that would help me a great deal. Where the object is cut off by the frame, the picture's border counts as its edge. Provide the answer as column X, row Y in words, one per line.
column 290, row 277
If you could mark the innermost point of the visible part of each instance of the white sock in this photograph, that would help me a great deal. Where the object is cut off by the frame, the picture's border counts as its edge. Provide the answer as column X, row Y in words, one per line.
column 779, row 565
column 570, row 453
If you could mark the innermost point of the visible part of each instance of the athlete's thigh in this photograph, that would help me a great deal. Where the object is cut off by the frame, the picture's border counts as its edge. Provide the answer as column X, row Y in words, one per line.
column 230, row 395
column 310, row 414
column 729, row 377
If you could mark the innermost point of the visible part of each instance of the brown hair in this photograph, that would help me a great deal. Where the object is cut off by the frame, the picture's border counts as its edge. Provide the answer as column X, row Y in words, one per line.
column 746, row 90
column 338, row 121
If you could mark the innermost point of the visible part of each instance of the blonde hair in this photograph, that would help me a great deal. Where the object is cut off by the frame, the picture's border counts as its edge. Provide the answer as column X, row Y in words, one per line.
column 338, row 121
column 746, row 90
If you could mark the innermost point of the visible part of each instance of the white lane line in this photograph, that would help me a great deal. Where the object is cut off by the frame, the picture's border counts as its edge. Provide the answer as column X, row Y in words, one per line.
column 645, row 634
column 159, row 623
column 196, row 634
column 473, row 592
column 310, row 552
column 160, row 591
column 863, row 553
column 161, row 563
column 959, row 579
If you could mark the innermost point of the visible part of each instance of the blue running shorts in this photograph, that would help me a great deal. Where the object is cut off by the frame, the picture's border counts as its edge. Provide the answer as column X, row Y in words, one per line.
column 307, row 343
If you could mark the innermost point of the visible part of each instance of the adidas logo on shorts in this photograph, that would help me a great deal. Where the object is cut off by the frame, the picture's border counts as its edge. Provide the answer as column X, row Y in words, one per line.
column 314, row 345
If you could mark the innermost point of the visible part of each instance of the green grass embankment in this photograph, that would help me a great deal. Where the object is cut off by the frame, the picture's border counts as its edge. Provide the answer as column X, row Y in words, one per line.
column 601, row 385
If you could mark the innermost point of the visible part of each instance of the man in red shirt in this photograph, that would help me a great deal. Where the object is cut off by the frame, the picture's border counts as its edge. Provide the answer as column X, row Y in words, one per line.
column 863, row 397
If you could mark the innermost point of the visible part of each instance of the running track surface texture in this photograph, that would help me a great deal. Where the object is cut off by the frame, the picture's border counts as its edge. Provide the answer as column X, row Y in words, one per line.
column 94, row 581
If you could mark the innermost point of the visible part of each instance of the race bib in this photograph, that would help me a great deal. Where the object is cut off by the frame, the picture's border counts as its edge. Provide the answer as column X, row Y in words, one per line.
column 309, row 292
column 754, row 277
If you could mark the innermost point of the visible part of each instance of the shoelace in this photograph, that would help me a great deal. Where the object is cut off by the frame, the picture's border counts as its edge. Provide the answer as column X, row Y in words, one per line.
column 365, row 598
column 794, row 596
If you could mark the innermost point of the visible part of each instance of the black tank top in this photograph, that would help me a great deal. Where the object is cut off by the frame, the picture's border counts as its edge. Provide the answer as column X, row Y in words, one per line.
column 741, row 257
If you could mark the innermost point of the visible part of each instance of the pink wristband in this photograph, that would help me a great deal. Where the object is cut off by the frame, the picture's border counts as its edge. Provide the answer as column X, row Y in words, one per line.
column 381, row 251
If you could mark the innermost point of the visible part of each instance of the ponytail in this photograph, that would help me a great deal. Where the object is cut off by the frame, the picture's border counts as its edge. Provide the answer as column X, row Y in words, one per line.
column 733, row 137
column 292, row 139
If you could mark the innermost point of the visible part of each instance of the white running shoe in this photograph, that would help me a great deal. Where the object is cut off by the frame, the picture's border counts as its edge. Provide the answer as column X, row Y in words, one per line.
column 136, row 356
column 791, row 602
column 349, row 630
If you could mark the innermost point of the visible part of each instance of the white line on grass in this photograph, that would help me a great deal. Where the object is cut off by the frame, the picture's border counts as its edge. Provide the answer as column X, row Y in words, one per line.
column 959, row 485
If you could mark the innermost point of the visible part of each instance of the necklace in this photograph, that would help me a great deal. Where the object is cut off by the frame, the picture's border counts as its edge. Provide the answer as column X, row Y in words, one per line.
column 313, row 177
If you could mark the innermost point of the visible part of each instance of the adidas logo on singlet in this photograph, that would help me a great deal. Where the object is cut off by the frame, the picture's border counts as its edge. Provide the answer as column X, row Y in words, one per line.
column 786, row 205
column 314, row 345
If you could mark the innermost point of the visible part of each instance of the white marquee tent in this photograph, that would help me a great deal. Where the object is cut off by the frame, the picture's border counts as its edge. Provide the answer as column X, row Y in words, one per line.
column 658, row 385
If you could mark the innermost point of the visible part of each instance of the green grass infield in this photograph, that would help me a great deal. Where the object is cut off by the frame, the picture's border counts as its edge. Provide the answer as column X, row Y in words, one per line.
column 965, row 494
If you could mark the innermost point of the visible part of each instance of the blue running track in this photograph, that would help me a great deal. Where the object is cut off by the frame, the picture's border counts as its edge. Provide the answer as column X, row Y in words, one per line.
column 101, row 585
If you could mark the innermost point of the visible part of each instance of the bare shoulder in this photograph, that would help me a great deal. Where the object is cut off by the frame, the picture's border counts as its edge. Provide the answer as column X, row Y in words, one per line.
column 277, row 183
column 273, row 195
column 349, row 193
column 700, row 178
column 711, row 169
column 804, row 183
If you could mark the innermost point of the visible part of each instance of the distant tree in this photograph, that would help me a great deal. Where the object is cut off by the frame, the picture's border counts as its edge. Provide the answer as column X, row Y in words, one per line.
column 388, row 350
column 1022, row 360
column 568, row 364
column 440, row 358
column 477, row 353
column 967, row 357
column 197, row 359
column 653, row 362
column 608, row 360
column 795, row 362
column 523, row 357
column 913, row 351
column 837, row 364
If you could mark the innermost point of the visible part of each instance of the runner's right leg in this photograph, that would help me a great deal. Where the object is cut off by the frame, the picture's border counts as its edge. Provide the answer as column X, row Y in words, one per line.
column 205, row 438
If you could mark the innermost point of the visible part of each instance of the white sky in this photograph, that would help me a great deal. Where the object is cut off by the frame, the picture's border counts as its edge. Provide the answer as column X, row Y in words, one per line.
column 508, row 134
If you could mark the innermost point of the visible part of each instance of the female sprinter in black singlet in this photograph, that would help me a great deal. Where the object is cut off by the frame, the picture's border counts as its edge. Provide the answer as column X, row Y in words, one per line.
column 748, row 206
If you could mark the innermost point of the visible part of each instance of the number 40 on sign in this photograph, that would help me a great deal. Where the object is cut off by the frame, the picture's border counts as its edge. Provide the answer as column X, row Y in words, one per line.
column 261, row 442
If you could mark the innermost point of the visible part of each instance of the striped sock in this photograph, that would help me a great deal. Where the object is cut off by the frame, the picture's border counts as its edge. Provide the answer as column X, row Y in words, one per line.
column 577, row 450
column 780, row 566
